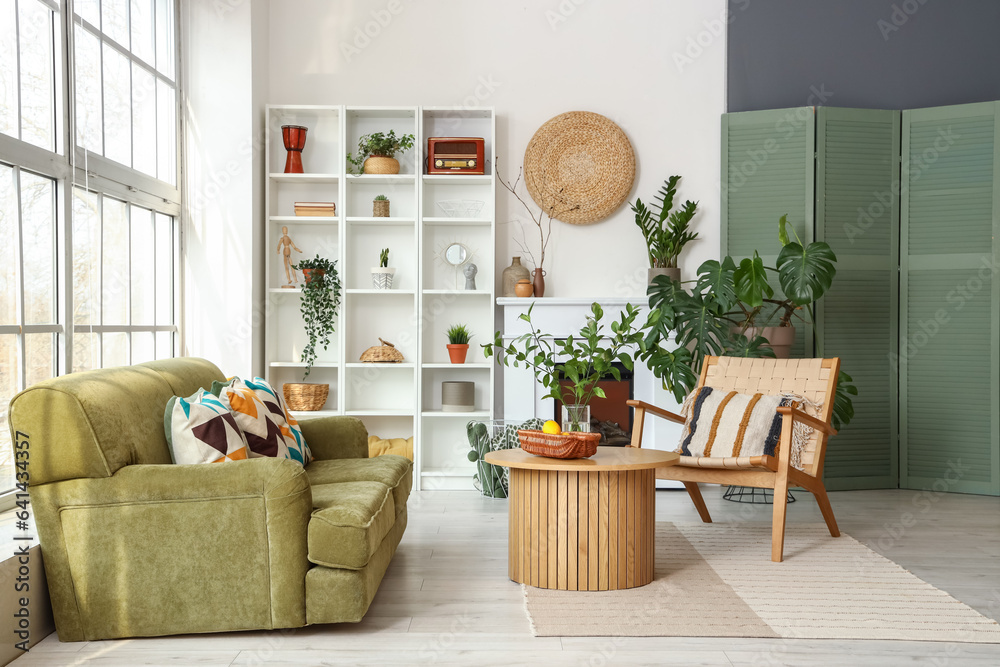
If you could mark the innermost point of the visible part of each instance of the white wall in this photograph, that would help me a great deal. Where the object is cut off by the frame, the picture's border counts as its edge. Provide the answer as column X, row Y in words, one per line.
column 532, row 61
column 222, row 42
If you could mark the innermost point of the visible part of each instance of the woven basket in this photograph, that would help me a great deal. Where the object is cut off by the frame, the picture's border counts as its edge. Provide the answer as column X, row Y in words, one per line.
column 579, row 167
column 305, row 396
column 559, row 445
column 380, row 208
column 385, row 353
column 376, row 164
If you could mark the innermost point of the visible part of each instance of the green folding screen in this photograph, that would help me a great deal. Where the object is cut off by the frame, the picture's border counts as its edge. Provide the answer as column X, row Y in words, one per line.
column 950, row 300
column 822, row 167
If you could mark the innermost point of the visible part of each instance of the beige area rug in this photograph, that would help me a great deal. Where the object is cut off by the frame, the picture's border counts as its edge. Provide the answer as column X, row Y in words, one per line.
column 717, row 580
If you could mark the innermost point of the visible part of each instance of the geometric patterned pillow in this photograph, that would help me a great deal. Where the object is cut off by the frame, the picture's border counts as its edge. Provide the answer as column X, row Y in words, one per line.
column 200, row 429
column 264, row 421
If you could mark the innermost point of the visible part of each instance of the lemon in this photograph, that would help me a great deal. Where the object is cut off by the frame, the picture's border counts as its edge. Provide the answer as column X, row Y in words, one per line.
column 551, row 428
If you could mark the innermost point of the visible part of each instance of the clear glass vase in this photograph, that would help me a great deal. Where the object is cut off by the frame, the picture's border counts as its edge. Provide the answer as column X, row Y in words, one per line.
column 576, row 418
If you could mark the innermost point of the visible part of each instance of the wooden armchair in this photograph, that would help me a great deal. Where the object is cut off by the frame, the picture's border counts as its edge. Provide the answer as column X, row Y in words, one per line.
column 814, row 379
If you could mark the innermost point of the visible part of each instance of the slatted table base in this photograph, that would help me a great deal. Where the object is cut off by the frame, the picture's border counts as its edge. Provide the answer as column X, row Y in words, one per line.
column 582, row 531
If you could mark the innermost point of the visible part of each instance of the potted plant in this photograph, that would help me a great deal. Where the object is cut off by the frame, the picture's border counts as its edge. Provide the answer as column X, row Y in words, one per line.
column 458, row 343
column 570, row 368
column 722, row 313
column 383, row 273
column 376, row 151
column 666, row 231
column 380, row 207
column 318, row 304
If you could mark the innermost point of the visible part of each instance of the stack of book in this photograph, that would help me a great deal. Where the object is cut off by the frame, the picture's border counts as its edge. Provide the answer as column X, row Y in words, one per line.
column 315, row 208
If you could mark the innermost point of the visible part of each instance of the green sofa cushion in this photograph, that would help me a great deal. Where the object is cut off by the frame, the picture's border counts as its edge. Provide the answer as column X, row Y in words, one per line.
column 349, row 522
column 396, row 472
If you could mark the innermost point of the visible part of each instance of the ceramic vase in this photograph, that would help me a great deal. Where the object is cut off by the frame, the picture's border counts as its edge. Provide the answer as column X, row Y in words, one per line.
column 539, row 282
column 512, row 275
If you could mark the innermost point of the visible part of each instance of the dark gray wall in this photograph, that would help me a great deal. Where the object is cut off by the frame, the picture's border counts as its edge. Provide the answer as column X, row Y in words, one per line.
column 878, row 54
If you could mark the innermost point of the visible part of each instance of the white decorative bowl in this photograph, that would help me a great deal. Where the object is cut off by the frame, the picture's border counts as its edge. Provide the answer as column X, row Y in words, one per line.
column 461, row 208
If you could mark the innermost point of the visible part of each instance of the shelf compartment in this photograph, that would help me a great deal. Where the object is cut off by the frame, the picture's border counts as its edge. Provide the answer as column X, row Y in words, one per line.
column 379, row 364
column 357, row 179
column 474, row 414
column 464, row 179
column 460, row 292
column 387, row 292
column 458, row 367
column 304, row 220
column 380, row 221
column 458, row 222
column 302, row 364
column 439, row 472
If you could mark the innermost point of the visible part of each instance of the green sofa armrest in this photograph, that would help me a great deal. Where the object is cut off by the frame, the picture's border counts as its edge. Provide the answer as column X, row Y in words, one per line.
column 170, row 549
column 336, row 437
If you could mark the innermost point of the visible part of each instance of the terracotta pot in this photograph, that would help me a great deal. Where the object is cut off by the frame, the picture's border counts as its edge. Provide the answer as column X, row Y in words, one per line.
column 780, row 339
column 539, row 282
column 308, row 275
column 457, row 353
column 524, row 288
column 674, row 273
column 377, row 164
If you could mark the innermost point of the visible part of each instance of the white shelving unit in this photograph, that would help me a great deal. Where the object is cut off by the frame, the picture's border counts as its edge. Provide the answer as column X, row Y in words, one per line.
column 428, row 295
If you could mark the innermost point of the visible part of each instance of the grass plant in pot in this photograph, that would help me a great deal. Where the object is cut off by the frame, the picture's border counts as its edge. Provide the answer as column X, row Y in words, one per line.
column 319, row 302
column 383, row 273
column 666, row 231
column 458, row 343
column 723, row 312
column 380, row 207
column 376, row 152
column 570, row 368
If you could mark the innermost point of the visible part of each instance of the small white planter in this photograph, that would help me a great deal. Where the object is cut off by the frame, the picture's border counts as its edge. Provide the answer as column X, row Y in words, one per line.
column 382, row 277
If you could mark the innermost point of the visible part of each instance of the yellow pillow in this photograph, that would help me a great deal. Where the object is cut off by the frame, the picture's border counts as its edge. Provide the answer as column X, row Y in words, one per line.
column 400, row 446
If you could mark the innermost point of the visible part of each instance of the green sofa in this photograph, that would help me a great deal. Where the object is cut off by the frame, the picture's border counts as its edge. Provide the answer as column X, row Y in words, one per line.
column 136, row 546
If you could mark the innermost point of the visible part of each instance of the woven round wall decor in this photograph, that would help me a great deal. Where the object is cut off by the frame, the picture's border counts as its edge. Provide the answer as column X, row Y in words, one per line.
column 579, row 167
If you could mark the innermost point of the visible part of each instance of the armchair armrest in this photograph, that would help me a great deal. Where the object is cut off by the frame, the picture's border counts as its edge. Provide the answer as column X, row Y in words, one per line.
column 336, row 437
column 798, row 415
column 169, row 549
column 659, row 412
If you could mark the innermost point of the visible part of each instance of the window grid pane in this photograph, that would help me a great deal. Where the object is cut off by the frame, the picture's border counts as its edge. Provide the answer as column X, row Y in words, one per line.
column 9, row 288
column 35, row 25
column 8, row 68
column 114, row 262
column 10, row 374
column 88, row 90
column 38, row 248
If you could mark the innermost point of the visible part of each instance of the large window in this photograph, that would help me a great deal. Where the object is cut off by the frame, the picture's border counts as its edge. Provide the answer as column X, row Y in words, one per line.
column 88, row 190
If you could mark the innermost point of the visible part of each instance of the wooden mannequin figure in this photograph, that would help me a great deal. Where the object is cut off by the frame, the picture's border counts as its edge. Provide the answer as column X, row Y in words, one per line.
column 285, row 246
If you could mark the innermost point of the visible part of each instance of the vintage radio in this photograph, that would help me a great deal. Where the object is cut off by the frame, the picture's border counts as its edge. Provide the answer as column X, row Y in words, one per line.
column 455, row 155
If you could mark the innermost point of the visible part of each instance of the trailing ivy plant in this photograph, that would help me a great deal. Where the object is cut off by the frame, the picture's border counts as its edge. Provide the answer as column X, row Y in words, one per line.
column 318, row 305
column 583, row 360
column 712, row 317
column 666, row 231
column 379, row 144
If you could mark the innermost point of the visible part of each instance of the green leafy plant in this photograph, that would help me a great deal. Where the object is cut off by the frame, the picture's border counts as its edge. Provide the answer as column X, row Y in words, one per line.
column 383, row 258
column 458, row 334
column 318, row 305
column 666, row 231
column 381, row 198
column 379, row 144
column 582, row 360
column 724, row 301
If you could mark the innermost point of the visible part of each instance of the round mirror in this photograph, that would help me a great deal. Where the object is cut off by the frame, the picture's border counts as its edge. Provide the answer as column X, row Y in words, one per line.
column 456, row 254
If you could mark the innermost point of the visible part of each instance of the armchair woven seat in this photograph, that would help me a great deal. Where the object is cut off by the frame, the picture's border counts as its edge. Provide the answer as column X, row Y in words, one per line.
column 815, row 380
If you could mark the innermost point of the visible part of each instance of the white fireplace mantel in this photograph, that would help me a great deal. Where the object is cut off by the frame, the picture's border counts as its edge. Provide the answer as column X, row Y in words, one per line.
column 560, row 317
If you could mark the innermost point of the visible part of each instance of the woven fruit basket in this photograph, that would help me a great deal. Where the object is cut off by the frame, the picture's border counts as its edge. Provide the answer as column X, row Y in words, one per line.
column 559, row 445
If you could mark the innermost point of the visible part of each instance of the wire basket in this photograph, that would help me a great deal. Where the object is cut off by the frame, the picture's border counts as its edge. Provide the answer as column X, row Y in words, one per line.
column 491, row 436
column 461, row 208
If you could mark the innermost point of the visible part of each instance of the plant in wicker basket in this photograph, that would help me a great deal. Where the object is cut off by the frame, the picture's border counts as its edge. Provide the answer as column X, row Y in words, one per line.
column 570, row 368
column 379, row 145
column 318, row 305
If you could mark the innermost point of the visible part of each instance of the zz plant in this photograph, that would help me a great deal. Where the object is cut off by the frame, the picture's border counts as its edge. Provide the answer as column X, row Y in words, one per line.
column 666, row 231
column 319, row 303
column 725, row 300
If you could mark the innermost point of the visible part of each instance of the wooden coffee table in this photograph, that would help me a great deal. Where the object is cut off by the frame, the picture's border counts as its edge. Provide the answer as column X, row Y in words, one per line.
column 582, row 524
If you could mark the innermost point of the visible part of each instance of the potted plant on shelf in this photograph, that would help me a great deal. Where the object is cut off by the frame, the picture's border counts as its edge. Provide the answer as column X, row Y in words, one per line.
column 383, row 273
column 570, row 368
column 458, row 343
column 318, row 304
column 376, row 152
column 666, row 231
column 380, row 207
column 723, row 312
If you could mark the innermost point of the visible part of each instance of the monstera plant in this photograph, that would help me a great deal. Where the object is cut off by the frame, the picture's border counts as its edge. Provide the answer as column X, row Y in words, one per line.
column 726, row 307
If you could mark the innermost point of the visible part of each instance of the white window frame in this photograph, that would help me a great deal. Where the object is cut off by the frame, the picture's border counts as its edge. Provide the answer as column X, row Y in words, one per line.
column 72, row 166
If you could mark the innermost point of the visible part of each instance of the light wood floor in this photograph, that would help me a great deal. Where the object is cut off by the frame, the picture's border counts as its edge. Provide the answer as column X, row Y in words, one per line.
column 446, row 599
